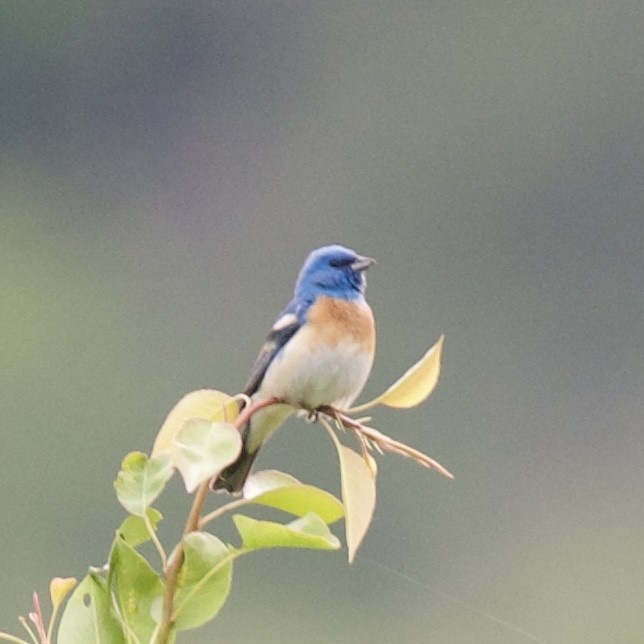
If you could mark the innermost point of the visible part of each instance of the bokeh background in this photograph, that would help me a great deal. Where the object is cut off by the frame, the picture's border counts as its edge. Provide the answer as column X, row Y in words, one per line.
column 165, row 168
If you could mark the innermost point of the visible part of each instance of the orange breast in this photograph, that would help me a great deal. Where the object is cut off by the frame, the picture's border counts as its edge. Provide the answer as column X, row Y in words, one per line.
column 339, row 321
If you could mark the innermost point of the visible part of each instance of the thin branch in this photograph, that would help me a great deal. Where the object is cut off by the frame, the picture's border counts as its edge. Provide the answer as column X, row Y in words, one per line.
column 52, row 622
column 26, row 626
column 172, row 571
column 249, row 410
column 192, row 525
column 37, row 618
column 215, row 514
column 12, row 638
column 155, row 540
column 385, row 443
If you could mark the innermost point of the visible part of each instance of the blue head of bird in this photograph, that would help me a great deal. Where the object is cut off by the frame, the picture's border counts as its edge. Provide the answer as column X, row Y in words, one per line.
column 335, row 271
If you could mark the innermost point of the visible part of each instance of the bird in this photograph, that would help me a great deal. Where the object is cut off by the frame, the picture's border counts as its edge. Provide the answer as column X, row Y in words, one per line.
column 319, row 352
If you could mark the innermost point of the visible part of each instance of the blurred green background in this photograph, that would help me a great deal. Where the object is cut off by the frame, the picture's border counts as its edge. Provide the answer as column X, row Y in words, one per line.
column 165, row 168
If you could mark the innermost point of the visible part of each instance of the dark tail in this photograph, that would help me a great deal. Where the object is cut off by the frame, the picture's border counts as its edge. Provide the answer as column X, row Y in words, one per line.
column 235, row 475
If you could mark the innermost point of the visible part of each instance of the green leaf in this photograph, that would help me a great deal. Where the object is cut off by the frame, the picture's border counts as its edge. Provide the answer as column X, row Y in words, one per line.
column 309, row 531
column 88, row 617
column 204, row 581
column 137, row 586
column 284, row 492
column 141, row 480
column 203, row 448
column 134, row 531
column 358, row 493
column 413, row 386
column 208, row 404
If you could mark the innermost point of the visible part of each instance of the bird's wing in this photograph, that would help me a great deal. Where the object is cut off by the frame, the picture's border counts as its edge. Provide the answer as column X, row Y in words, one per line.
column 287, row 325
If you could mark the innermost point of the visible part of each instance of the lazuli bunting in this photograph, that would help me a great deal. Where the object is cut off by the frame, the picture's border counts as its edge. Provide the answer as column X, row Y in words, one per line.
column 318, row 353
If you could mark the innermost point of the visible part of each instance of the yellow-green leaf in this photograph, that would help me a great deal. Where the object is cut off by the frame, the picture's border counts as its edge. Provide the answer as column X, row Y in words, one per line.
column 208, row 404
column 141, row 480
column 414, row 385
column 137, row 589
column 59, row 588
column 204, row 448
column 358, row 494
column 309, row 531
column 204, row 582
column 284, row 492
column 89, row 617
column 134, row 529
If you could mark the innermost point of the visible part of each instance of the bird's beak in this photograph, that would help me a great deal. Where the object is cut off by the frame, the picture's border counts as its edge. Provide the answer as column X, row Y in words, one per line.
column 362, row 263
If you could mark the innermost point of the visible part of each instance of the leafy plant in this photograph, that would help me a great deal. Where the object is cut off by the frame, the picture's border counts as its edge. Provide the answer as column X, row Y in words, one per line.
column 130, row 601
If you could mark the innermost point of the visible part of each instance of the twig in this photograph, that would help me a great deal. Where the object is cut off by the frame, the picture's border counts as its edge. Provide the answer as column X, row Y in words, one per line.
column 215, row 514
column 384, row 442
column 155, row 540
column 12, row 638
column 192, row 525
column 37, row 618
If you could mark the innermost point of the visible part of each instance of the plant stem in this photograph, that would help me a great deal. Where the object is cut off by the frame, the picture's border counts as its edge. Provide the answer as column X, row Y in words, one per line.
column 155, row 541
column 164, row 629
column 215, row 514
column 12, row 638
column 172, row 571
column 37, row 618
column 26, row 626
column 384, row 442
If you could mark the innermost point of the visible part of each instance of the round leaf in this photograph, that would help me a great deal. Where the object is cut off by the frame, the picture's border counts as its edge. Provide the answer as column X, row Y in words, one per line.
column 202, row 449
column 141, row 480
column 209, row 404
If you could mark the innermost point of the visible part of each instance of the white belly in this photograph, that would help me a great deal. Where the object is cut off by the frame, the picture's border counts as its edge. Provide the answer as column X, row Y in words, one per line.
column 309, row 375
column 325, row 376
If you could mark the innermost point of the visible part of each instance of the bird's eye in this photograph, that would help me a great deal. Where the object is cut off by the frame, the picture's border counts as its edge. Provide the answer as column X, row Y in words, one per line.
column 337, row 263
